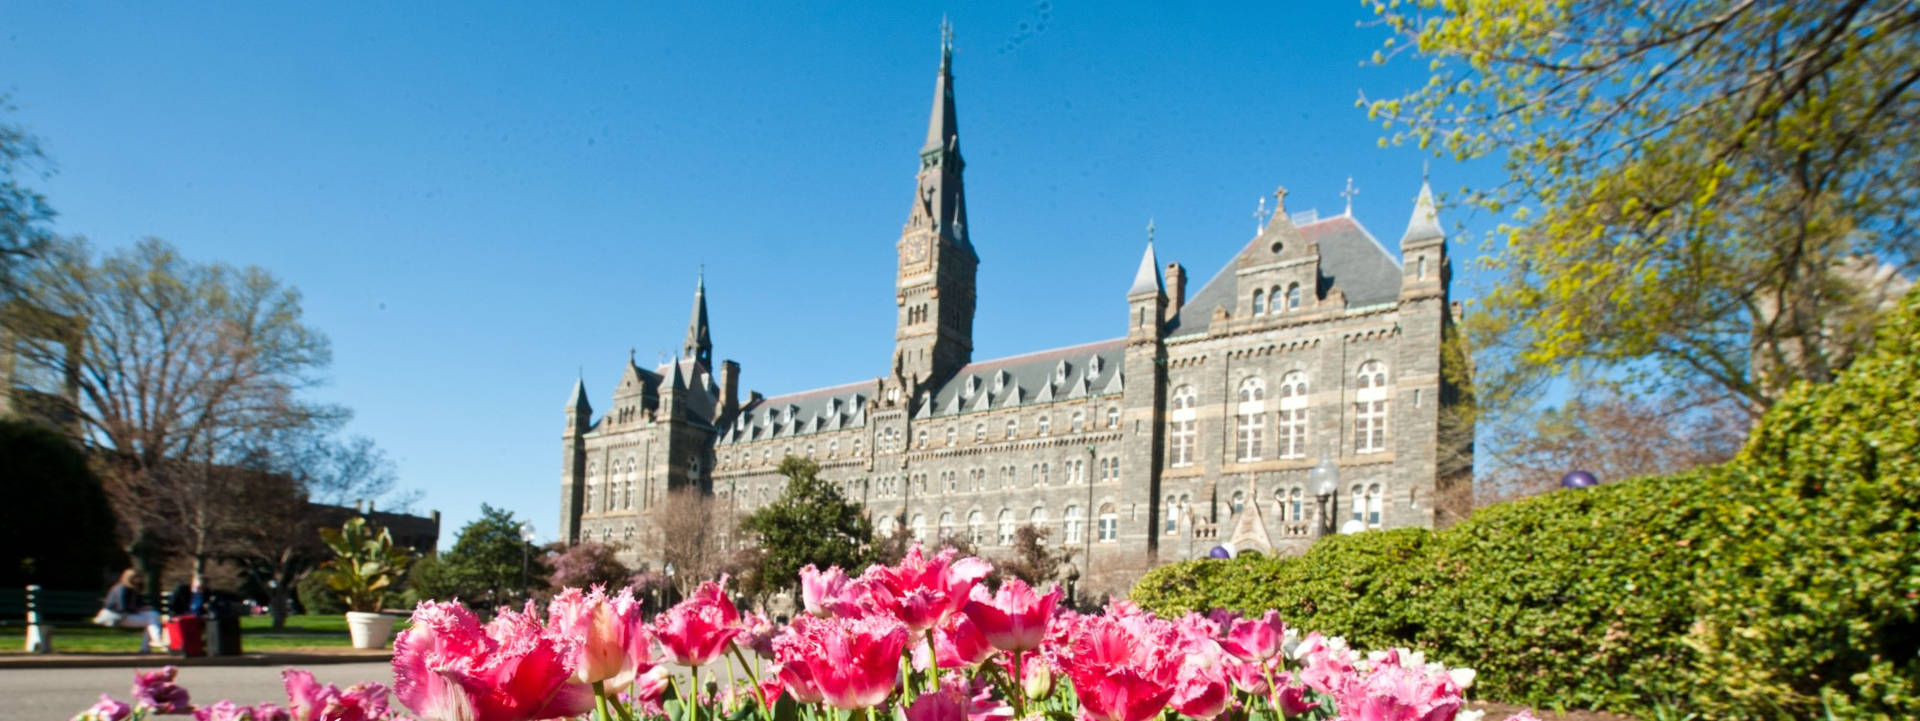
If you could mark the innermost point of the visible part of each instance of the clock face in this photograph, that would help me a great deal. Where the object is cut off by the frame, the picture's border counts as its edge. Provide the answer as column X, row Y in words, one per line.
column 914, row 251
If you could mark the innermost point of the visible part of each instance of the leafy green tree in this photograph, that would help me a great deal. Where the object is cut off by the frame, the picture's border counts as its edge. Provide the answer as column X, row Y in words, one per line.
column 1709, row 194
column 55, row 525
column 484, row 566
column 811, row 522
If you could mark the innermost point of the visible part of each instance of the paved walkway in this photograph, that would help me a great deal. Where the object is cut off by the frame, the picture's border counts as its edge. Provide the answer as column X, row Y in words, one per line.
column 53, row 694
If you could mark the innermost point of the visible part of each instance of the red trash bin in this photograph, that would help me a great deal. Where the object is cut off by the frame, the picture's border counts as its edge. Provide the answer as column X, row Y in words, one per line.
column 187, row 635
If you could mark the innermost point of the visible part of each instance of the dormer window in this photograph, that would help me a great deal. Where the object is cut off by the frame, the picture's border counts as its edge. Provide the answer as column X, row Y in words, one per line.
column 972, row 387
column 1000, row 381
column 1060, row 373
column 1093, row 366
column 833, row 406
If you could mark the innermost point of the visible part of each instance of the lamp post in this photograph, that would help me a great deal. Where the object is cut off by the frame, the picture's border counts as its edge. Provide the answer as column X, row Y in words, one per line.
column 526, row 555
column 1326, row 481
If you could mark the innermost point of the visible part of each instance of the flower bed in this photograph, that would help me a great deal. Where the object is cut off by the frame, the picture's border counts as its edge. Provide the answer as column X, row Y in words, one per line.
column 921, row 641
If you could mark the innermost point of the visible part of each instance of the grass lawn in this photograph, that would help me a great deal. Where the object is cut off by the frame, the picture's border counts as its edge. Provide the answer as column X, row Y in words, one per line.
column 256, row 635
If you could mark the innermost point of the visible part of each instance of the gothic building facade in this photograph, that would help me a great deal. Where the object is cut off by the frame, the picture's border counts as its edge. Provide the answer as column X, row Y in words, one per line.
column 1199, row 427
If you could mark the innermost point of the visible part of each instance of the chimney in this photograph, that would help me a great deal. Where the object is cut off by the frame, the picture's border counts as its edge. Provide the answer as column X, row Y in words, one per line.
column 1176, row 289
column 729, row 389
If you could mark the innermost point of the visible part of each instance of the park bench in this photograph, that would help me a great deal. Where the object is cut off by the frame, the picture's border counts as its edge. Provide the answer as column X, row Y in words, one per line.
column 40, row 609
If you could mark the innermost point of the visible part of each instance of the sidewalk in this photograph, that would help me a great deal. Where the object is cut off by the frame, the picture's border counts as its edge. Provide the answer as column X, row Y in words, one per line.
column 302, row 657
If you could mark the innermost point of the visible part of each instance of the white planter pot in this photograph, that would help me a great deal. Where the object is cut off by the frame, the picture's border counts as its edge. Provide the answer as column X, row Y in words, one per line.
column 369, row 630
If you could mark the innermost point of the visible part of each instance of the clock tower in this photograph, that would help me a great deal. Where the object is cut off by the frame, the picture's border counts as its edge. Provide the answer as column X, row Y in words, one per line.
column 934, row 286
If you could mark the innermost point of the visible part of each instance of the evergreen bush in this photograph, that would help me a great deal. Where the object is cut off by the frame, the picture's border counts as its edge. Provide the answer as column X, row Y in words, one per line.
column 1783, row 584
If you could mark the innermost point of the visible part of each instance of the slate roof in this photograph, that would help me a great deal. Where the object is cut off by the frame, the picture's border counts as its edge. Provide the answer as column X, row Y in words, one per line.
column 1351, row 259
column 1039, row 377
column 792, row 414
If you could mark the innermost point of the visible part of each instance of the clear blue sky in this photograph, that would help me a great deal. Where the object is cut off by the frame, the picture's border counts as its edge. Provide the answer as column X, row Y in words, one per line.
column 477, row 201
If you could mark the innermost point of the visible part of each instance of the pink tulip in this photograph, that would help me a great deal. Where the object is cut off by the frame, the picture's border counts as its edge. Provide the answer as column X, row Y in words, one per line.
column 1202, row 692
column 106, row 709
column 1391, row 692
column 943, row 706
column 797, row 679
column 1258, row 639
column 854, row 662
column 156, row 692
column 223, row 711
column 1124, row 664
column 1249, row 678
column 698, row 630
column 982, row 703
column 614, row 644
column 648, row 693
column 1014, row 619
column 447, row 667
column 1327, row 665
column 1291, row 699
column 270, row 712
column 922, row 592
column 823, row 592
column 756, row 634
column 308, row 700
column 960, row 644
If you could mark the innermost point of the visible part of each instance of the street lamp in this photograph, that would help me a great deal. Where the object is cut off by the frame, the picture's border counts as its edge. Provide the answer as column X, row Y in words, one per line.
column 526, row 554
column 1326, row 481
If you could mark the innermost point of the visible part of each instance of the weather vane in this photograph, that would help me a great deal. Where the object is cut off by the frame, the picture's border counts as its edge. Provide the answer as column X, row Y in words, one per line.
column 1348, row 194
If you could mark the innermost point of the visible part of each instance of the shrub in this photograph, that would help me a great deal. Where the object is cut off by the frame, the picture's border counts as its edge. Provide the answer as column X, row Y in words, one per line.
column 1785, row 583
column 317, row 597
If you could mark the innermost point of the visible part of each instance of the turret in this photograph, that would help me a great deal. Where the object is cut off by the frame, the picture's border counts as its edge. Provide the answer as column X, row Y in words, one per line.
column 699, row 344
column 1423, row 251
column 579, row 411
column 1146, row 298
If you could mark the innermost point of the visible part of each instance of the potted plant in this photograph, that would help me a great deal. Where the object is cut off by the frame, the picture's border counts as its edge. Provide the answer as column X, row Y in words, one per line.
column 365, row 565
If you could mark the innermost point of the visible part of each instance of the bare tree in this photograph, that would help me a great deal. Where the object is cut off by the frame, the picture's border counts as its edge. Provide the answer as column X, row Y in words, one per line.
column 177, row 364
column 692, row 532
column 1615, row 437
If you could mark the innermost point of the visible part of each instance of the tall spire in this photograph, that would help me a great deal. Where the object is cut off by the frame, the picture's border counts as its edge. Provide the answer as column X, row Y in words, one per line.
column 699, row 345
column 578, row 400
column 943, row 128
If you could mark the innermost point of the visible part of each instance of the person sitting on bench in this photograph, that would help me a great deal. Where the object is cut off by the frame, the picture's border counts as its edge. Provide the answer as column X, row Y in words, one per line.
column 126, row 608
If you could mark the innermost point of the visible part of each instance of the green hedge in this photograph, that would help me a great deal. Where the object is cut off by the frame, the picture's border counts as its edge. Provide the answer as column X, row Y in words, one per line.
column 1782, row 584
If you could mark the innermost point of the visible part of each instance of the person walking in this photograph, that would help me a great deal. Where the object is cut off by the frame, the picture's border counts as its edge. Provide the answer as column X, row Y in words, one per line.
column 126, row 608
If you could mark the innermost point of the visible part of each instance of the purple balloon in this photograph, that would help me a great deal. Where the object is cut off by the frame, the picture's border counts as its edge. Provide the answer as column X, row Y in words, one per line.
column 1579, row 479
column 1220, row 552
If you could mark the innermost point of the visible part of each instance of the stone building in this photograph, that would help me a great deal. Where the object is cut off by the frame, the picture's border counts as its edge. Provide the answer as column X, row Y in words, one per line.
column 1198, row 427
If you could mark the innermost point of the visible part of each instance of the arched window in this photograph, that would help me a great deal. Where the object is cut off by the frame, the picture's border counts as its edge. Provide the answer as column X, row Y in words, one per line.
column 592, row 483
column 1374, row 500
column 885, row 527
column 1172, row 509
column 1006, row 526
column 1077, row 422
column 1250, row 419
column 1013, row 427
column 1357, row 503
column 1239, row 501
column 921, row 438
column 1370, row 408
column 1297, row 502
column 1046, row 424
column 976, row 528
column 1113, row 417
column 1259, row 301
column 1073, row 522
column 1273, row 300
column 1037, row 517
column 626, row 534
column 833, row 446
column 979, row 432
column 1109, row 522
column 1293, row 296
column 953, row 434
column 946, row 525
column 1180, row 427
column 918, row 527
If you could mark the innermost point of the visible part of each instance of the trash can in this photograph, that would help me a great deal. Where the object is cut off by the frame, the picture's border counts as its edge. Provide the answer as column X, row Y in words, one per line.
column 223, row 628
column 184, row 636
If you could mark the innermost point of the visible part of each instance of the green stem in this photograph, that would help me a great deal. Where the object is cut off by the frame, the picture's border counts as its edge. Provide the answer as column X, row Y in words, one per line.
column 933, row 661
column 758, row 693
column 906, row 677
column 1019, row 688
column 600, row 701
column 695, row 707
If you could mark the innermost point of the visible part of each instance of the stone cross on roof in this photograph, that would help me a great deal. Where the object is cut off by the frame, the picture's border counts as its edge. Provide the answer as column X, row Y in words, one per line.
column 1348, row 194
